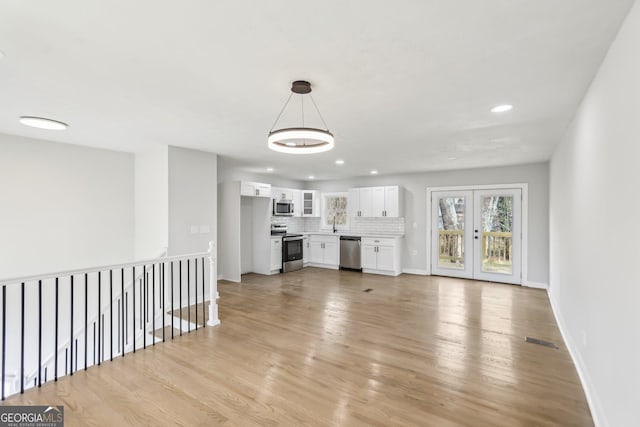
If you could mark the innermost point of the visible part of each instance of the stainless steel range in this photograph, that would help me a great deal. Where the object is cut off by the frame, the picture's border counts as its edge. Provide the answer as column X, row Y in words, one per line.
column 291, row 248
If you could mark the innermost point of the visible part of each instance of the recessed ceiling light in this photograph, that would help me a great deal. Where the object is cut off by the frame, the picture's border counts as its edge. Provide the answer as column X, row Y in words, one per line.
column 452, row 158
column 374, row 172
column 42, row 123
column 502, row 108
column 339, row 162
column 312, row 177
column 269, row 169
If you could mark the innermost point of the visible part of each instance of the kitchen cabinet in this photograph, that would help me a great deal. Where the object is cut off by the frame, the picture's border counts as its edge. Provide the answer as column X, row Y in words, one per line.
column 276, row 254
column 375, row 202
column 381, row 256
column 324, row 251
column 255, row 189
column 309, row 203
column 305, row 250
column 296, row 197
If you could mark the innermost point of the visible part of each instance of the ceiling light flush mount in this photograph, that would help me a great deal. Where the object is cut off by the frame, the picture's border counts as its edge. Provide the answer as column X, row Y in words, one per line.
column 374, row 172
column 300, row 140
column 43, row 123
column 339, row 162
column 502, row 108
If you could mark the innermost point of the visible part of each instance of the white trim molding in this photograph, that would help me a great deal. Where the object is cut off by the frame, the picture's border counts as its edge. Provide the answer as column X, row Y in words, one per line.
column 535, row 285
column 524, row 187
column 416, row 271
column 593, row 401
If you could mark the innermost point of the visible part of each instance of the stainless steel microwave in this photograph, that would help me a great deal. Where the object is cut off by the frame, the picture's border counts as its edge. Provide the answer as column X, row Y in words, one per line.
column 282, row 207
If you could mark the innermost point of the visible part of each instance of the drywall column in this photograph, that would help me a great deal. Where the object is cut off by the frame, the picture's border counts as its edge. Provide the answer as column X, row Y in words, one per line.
column 594, row 234
column 151, row 202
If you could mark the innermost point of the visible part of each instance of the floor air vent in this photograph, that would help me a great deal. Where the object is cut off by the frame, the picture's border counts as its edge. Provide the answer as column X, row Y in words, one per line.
column 540, row 342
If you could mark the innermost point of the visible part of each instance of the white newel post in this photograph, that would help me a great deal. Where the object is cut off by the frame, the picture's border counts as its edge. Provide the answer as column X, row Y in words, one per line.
column 213, row 287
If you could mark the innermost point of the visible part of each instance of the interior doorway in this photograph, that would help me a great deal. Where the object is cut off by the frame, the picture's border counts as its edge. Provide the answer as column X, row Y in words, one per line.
column 477, row 233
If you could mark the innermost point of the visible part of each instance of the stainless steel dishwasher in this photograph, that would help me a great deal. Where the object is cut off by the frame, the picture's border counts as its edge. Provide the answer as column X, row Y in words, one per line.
column 350, row 256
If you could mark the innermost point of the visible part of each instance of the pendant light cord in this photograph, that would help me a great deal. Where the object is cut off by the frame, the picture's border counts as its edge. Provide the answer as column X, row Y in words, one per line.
column 282, row 111
column 319, row 113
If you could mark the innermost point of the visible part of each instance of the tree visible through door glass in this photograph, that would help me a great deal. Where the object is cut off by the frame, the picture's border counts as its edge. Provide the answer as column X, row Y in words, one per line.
column 451, row 212
column 497, row 237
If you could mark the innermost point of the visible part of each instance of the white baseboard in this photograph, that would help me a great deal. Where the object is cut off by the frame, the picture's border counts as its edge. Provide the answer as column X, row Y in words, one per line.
column 595, row 407
column 415, row 271
column 529, row 284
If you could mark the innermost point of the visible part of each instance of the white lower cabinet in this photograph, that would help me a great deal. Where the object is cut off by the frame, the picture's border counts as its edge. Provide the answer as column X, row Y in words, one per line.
column 276, row 254
column 324, row 251
column 305, row 250
column 381, row 256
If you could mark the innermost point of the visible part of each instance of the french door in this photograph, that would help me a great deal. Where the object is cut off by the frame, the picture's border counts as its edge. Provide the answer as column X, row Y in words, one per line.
column 476, row 234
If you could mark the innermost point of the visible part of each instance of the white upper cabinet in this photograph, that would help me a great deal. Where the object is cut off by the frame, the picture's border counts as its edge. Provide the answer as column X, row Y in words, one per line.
column 392, row 206
column 375, row 202
column 353, row 202
column 255, row 189
column 309, row 203
column 296, row 198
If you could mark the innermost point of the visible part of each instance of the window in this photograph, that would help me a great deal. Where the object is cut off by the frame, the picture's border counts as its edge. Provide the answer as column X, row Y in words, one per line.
column 334, row 208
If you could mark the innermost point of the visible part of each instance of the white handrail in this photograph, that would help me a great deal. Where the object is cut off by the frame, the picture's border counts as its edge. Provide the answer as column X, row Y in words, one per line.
column 34, row 278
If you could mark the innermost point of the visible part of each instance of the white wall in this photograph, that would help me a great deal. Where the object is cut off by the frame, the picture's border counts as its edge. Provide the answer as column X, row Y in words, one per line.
column 415, row 187
column 63, row 206
column 594, row 207
column 151, row 202
column 193, row 193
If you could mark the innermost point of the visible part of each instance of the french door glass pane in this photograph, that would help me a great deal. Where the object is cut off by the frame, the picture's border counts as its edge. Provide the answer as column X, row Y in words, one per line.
column 451, row 211
column 497, row 239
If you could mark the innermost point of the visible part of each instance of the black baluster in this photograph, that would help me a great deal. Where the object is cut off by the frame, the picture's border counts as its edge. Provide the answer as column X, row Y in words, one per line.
column 143, row 307
column 39, row 333
column 195, row 264
column 93, row 349
column 76, row 350
column 66, row 361
column 45, row 374
column 121, row 303
column 141, row 295
column 55, row 354
column 99, row 310
column 4, row 335
column 86, row 318
column 71, row 337
column 22, row 340
column 111, row 312
column 204, row 313
column 180, row 299
column 171, row 299
column 153, row 302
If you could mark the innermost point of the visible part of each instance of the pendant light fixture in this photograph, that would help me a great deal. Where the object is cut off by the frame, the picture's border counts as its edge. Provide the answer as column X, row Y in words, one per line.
column 300, row 140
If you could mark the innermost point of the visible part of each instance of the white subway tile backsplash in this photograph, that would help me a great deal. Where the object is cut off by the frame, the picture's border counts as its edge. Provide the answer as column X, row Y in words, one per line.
column 392, row 226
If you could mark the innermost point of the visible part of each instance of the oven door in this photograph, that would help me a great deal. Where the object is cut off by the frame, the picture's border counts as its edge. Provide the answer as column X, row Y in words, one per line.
column 291, row 249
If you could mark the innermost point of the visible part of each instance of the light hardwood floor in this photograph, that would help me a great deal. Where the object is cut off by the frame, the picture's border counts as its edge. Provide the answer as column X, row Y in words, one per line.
column 311, row 348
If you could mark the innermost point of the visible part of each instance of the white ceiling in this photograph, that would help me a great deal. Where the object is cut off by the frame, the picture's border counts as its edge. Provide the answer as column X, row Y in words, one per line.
column 403, row 85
